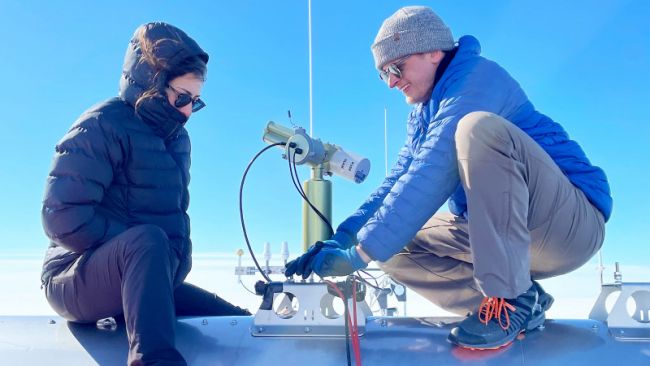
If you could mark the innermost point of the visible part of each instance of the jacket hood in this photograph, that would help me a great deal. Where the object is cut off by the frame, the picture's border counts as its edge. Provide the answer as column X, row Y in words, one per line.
column 171, row 44
column 469, row 45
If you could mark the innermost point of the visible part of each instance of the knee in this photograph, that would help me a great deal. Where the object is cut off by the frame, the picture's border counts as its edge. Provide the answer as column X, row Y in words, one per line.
column 480, row 134
column 147, row 239
column 477, row 126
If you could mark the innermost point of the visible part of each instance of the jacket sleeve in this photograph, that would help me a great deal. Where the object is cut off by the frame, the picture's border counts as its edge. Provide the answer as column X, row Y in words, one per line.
column 354, row 222
column 82, row 170
column 433, row 174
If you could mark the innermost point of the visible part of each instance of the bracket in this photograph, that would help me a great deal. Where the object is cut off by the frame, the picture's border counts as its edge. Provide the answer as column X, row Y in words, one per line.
column 306, row 309
column 622, row 325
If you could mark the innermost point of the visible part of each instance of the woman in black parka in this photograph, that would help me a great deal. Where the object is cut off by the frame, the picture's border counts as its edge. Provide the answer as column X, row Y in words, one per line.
column 116, row 199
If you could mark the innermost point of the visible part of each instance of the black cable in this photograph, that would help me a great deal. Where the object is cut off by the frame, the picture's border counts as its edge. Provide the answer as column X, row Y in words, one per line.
column 376, row 279
column 296, row 182
column 293, row 179
column 376, row 286
column 241, row 207
column 321, row 215
column 293, row 171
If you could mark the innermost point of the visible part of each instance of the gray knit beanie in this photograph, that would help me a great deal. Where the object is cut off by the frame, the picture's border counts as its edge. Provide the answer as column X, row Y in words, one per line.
column 410, row 30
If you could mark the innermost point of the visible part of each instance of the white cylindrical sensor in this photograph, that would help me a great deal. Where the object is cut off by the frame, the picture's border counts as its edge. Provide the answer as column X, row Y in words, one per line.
column 349, row 165
column 284, row 251
column 267, row 251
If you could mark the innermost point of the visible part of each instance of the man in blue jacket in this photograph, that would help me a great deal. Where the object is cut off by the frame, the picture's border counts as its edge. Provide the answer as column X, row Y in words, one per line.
column 525, row 202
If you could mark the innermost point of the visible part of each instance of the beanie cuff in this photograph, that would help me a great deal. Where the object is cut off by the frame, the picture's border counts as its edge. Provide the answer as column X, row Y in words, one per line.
column 406, row 43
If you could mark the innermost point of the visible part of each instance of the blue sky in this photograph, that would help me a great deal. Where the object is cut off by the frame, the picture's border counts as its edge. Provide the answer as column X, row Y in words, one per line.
column 585, row 65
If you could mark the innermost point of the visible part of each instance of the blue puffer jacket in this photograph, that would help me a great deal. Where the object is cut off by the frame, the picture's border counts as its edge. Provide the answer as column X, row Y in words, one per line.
column 426, row 173
column 120, row 166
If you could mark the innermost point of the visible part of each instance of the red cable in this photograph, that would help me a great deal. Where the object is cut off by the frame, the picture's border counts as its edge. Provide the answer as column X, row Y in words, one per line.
column 353, row 328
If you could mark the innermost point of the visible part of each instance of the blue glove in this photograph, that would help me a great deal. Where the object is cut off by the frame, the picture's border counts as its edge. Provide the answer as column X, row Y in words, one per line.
column 301, row 265
column 336, row 262
column 344, row 239
column 333, row 244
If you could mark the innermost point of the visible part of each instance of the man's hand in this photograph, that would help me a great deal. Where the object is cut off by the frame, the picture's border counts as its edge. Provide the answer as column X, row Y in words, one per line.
column 298, row 266
column 301, row 265
column 336, row 262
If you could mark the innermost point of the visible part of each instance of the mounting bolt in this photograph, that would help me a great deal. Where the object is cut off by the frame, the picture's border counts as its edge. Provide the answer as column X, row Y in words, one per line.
column 618, row 276
column 260, row 329
column 233, row 322
column 52, row 321
column 106, row 324
column 307, row 329
column 204, row 322
column 384, row 322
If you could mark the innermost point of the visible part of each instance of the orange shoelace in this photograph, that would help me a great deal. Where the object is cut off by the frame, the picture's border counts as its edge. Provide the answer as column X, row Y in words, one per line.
column 494, row 307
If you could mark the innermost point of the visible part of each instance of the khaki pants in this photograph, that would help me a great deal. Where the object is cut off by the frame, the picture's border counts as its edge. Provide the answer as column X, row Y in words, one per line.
column 525, row 220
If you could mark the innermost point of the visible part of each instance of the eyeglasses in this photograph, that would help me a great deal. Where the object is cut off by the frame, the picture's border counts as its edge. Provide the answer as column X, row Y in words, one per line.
column 183, row 99
column 393, row 68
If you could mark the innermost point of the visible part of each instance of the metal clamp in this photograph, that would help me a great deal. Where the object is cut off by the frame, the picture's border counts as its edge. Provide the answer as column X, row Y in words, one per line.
column 622, row 325
column 305, row 309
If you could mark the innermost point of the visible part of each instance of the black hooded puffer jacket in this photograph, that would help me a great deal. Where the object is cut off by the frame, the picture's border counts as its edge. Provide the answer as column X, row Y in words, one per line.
column 120, row 166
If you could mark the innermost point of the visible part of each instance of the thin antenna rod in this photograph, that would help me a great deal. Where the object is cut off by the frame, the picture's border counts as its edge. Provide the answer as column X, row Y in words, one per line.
column 386, row 140
column 601, row 268
column 311, row 106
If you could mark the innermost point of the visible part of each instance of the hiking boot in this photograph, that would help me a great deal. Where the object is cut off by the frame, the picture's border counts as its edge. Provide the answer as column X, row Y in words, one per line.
column 499, row 321
column 544, row 302
column 544, row 299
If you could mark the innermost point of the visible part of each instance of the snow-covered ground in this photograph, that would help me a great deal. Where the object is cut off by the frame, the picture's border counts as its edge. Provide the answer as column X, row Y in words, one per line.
column 574, row 293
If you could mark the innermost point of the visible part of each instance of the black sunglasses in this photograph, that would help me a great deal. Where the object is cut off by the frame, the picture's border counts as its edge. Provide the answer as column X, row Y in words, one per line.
column 183, row 99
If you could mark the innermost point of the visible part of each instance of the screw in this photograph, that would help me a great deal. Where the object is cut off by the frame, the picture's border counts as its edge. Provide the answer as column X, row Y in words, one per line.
column 204, row 322
column 52, row 321
column 233, row 322
column 307, row 329
column 106, row 324
column 260, row 330
column 384, row 322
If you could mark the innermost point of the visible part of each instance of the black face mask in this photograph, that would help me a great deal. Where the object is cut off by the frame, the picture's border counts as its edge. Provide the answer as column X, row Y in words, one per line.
column 162, row 117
